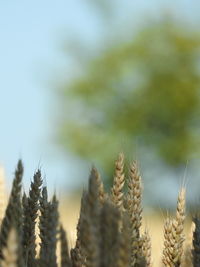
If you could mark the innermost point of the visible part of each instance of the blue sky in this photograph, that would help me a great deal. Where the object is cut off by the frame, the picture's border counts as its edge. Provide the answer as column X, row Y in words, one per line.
column 30, row 51
column 32, row 33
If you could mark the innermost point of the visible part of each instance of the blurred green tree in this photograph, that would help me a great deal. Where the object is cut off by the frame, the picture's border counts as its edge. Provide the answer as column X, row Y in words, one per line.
column 144, row 91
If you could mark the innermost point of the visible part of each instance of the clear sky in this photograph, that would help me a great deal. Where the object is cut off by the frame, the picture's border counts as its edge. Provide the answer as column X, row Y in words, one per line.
column 30, row 54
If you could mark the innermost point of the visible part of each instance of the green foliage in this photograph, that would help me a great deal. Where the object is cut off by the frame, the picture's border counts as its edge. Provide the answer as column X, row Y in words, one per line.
column 143, row 92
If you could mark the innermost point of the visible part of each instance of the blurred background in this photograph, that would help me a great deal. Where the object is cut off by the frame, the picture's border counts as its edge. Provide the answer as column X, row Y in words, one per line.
column 83, row 80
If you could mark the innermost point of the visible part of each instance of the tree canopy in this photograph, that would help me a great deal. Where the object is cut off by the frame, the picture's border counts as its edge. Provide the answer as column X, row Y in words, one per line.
column 144, row 92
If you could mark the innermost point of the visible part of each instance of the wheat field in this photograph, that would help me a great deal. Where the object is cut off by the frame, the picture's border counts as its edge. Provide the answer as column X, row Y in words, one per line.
column 154, row 221
column 99, row 229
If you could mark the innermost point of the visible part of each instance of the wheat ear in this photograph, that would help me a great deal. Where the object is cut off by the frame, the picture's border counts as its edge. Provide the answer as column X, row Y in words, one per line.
column 89, row 232
column 89, row 241
column 124, row 258
column 168, row 247
column 13, row 213
column 118, row 182
column 77, row 253
column 53, row 230
column 43, row 222
column 93, row 195
column 109, row 232
column 173, row 234
column 134, row 207
column 146, row 247
column 65, row 259
column 31, row 208
column 100, row 186
column 48, row 230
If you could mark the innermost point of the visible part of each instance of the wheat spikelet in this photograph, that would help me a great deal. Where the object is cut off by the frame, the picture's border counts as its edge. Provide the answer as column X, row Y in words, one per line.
column 173, row 234
column 10, row 252
column 118, row 183
column 13, row 213
column 134, row 207
column 2, row 193
column 65, row 259
column 31, row 208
